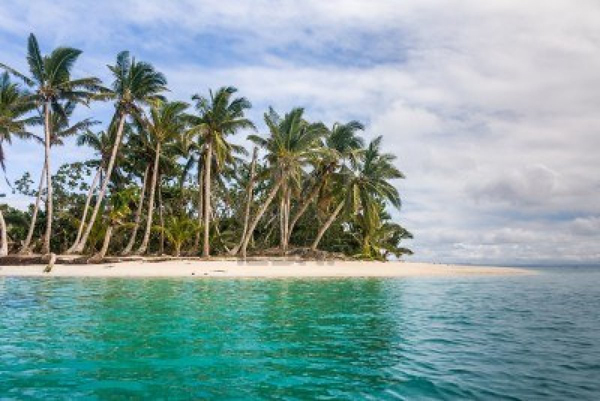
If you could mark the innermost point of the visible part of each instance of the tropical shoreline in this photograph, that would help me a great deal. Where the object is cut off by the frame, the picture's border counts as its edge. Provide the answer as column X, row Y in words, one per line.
column 258, row 269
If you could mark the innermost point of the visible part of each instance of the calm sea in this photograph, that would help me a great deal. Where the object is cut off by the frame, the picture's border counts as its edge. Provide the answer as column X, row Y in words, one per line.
column 514, row 338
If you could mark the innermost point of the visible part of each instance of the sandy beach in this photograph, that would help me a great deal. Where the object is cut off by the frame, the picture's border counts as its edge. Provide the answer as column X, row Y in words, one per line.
column 282, row 269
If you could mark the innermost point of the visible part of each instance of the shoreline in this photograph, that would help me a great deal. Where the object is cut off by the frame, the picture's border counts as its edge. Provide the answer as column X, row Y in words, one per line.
column 258, row 269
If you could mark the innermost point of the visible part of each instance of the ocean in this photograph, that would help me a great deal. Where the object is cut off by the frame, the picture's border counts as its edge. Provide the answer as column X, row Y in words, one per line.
column 471, row 337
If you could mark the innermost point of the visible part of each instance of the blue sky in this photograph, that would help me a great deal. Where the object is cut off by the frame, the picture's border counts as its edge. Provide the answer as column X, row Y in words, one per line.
column 491, row 107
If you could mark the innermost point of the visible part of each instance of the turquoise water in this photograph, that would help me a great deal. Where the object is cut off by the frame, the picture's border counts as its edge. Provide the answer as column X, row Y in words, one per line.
column 534, row 337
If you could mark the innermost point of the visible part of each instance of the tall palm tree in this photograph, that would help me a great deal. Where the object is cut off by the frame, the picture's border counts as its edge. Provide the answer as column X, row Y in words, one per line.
column 248, row 199
column 166, row 124
column 138, row 158
column 340, row 144
column 14, row 105
column 50, row 76
column 290, row 144
column 368, row 185
column 193, row 151
column 135, row 84
column 101, row 143
column 219, row 116
column 61, row 128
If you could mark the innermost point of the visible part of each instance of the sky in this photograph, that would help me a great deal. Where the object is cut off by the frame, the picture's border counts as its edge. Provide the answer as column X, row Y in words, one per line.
column 492, row 107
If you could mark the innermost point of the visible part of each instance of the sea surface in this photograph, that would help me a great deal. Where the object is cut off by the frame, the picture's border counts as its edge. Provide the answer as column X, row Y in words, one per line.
column 478, row 338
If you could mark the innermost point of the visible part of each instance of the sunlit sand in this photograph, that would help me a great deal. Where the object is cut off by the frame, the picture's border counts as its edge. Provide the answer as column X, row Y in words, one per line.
column 232, row 268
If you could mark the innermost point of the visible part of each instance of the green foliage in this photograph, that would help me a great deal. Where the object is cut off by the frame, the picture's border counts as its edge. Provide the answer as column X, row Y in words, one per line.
column 314, row 169
column 178, row 230
column 15, row 104
column 16, row 222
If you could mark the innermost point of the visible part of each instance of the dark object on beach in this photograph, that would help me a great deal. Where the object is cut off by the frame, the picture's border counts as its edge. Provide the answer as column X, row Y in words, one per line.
column 51, row 262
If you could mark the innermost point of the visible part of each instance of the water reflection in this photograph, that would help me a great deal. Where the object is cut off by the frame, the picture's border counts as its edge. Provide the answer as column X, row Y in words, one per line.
column 299, row 339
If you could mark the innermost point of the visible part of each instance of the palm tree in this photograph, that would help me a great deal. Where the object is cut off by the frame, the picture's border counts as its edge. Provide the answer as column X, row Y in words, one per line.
column 290, row 145
column 138, row 213
column 135, row 84
column 248, row 199
column 60, row 129
column 178, row 229
column 165, row 124
column 118, row 211
column 51, row 77
column 139, row 163
column 380, row 238
column 219, row 117
column 340, row 144
column 368, row 184
column 101, row 143
column 14, row 105
column 193, row 151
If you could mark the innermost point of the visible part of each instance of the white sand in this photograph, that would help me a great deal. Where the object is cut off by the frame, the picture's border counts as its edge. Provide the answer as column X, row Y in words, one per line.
column 231, row 268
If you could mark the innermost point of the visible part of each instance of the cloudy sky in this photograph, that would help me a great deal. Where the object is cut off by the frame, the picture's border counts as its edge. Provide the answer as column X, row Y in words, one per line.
column 492, row 107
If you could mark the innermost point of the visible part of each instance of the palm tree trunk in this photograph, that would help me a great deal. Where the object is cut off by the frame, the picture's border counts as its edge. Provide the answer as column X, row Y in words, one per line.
column 303, row 208
column 249, row 193
column 49, row 204
column 266, row 238
column 285, row 217
column 111, row 163
column 215, row 220
column 87, row 206
column 207, row 165
column 161, row 218
column 260, row 213
column 282, row 219
column 325, row 227
column 107, row 236
column 288, row 202
column 366, row 249
column 26, row 248
column 144, row 246
column 200, row 205
column 138, row 215
column 3, row 236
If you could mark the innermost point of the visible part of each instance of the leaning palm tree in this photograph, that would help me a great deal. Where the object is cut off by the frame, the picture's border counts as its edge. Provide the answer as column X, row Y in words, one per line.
column 193, row 152
column 139, row 151
column 135, row 84
column 219, row 117
column 50, row 76
column 290, row 144
column 14, row 105
column 101, row 143
column 248, row 198
column 340, row 144
column 118, row 210
column 61, row 128
column 164, row 125
column 368, row 185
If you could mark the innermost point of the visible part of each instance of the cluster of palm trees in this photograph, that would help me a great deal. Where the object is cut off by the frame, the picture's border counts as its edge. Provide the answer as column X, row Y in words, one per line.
column 311, row 180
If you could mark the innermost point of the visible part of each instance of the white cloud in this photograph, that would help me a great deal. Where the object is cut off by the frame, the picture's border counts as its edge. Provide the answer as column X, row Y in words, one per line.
column 491, row 106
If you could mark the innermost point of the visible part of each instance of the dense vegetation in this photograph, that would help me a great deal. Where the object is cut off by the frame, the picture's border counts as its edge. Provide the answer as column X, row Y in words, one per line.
column 166, row 177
